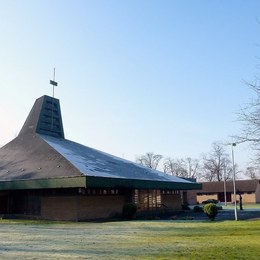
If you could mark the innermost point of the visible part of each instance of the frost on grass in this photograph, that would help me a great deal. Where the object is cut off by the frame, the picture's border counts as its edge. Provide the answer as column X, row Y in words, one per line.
column 130, row 240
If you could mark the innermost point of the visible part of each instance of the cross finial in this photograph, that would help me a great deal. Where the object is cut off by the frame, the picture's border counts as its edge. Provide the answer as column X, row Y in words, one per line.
column 53, row 83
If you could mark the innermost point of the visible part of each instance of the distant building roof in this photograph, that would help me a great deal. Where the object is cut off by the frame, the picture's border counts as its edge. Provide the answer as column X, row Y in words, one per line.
column 40, row 152
column 241, row 185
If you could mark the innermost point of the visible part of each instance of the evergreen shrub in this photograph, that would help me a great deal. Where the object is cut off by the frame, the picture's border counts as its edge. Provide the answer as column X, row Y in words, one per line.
column 129, row 210
column 211, row 210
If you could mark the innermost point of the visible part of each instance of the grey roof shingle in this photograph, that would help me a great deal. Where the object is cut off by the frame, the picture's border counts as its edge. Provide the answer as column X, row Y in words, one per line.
column 40, row 151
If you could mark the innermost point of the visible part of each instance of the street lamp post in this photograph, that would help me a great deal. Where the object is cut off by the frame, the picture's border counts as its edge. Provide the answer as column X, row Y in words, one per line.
column 225, row 187
column 234, row 179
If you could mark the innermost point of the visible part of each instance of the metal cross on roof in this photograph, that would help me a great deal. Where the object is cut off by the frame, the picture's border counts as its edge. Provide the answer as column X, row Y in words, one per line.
column 53, row 83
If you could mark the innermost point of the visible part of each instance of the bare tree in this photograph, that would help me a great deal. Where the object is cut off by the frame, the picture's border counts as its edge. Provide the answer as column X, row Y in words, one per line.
column 252, row 172
column 175, row 167
column 150, row 160
column 216, row 165
column 249, row 116
column 193, row 167
column 186, row 168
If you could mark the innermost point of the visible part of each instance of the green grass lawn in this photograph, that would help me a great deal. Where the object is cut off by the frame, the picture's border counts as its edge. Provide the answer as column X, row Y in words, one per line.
column 130, row 240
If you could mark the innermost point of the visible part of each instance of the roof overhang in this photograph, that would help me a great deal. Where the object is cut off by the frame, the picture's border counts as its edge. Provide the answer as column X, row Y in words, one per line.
column 95, row 182
column 50, row 183
column 139, row 184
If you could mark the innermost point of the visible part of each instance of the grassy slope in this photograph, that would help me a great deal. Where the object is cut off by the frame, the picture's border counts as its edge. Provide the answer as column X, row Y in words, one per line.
column 131, row 240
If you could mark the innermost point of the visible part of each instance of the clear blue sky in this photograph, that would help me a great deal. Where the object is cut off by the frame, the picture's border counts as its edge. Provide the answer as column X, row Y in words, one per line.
column 134, row 76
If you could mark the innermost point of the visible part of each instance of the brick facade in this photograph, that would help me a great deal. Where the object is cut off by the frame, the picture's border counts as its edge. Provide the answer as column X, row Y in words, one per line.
column 249, row 190
column 80, row 208
column 172, row 201
column 77, row 208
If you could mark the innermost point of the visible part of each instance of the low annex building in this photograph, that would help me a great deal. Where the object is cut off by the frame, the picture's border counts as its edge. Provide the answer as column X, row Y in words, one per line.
column 248, row 189
column 42, row 174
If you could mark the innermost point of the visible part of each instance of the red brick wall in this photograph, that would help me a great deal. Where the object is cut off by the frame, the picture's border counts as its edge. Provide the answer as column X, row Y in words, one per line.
column 101, row 206
column 81, row 207
column 172, row 201
column 59, row 208
column 191, row 196
column 76, row 208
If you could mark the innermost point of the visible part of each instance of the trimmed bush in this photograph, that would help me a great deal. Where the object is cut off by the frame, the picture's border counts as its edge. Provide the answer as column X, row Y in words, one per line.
column 211, row 210
column 197, row 209
column 129, row 210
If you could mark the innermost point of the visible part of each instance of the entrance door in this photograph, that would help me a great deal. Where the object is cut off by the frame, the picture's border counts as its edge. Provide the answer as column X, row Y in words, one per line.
column 3, row 204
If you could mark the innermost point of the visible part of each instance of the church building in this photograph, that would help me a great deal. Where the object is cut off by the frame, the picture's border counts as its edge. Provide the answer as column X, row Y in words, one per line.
column 45, row 176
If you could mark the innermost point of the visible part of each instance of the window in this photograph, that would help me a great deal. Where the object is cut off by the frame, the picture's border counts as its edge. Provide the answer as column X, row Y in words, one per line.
column 147, row 199
column 170, row 192
column 101, row 192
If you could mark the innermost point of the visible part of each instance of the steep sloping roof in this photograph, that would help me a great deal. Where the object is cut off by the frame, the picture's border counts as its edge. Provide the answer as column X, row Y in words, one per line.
column 92, row 162
column 40, row 152
column 28, row 156
column 44, row 118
